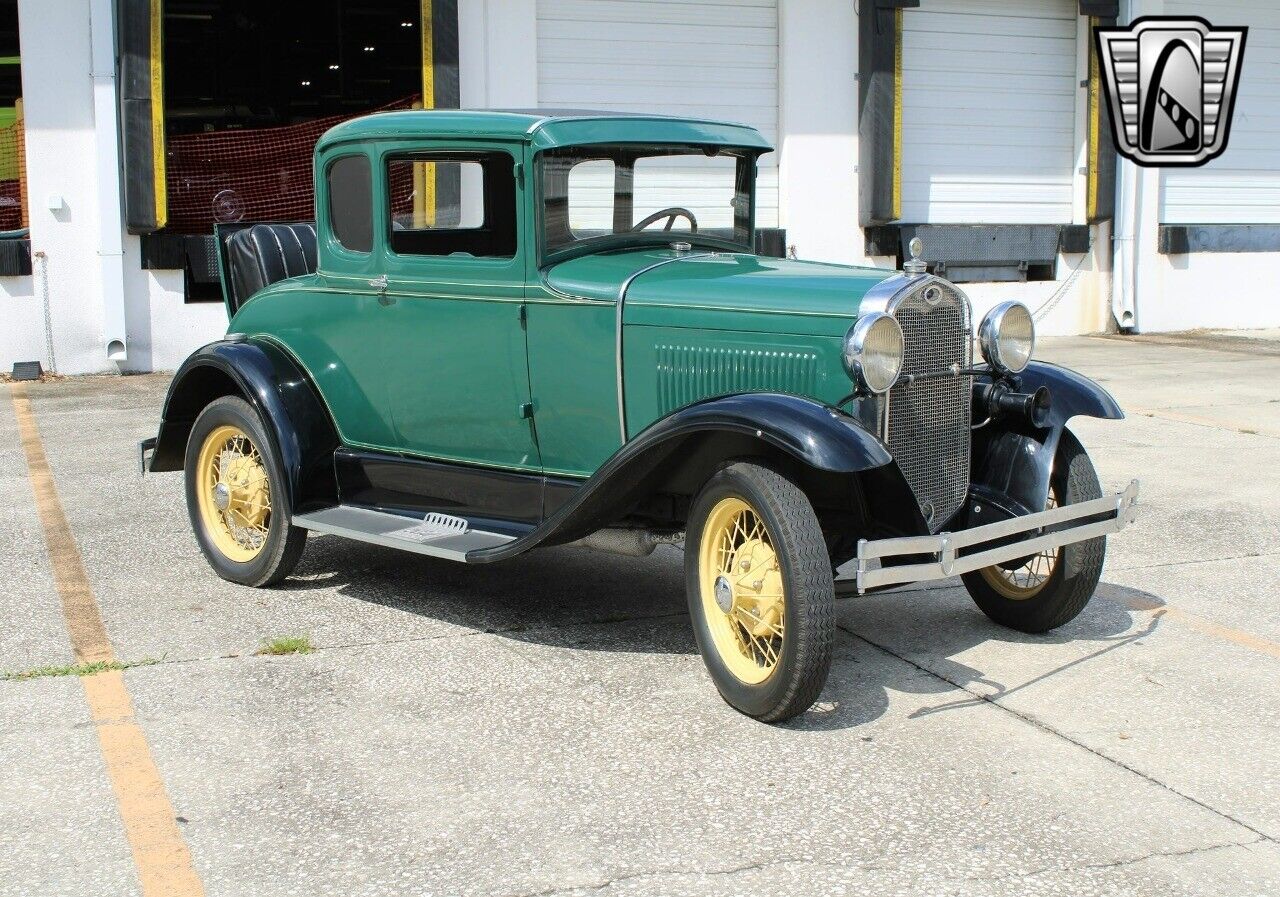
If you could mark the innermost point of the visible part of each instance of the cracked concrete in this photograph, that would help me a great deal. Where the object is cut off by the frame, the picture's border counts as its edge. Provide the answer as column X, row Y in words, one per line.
column 544, row 727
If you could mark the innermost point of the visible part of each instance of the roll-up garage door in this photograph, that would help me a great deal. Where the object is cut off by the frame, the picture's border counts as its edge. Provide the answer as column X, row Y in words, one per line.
column 1242, row 186
column 989, row 94
column 672, row 57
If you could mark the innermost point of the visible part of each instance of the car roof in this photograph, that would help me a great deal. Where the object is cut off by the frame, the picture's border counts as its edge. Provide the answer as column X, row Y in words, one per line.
column 544, row 128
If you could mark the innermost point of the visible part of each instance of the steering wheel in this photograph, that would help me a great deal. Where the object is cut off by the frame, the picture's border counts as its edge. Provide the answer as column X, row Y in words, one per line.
column 671, row 214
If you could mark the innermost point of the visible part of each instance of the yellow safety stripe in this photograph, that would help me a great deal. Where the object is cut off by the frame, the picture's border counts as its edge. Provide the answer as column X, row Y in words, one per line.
column 157, row 113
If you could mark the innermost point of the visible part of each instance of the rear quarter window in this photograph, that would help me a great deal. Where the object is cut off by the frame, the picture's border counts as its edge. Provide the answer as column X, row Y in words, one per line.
column 350, row 182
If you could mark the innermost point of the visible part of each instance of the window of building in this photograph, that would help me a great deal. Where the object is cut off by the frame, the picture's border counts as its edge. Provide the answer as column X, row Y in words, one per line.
column 453, row 204
column 351, row 202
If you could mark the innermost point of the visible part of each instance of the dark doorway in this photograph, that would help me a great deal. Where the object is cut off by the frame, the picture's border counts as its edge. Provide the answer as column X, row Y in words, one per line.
column 254, row 64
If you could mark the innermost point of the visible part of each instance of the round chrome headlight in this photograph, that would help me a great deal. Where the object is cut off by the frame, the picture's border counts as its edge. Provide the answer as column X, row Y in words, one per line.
column 1007, row 337
column 873, row 351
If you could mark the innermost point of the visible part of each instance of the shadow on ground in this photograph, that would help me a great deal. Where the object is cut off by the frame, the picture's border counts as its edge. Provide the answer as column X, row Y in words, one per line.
column 585, row 600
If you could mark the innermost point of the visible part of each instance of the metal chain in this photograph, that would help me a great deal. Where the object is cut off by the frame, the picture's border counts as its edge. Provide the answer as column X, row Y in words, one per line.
column 1059, row 294
column 43, row 267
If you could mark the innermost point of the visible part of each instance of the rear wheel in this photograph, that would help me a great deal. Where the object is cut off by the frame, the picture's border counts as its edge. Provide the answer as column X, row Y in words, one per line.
column 235, row 496
column 760, row 591
column 1047, row 590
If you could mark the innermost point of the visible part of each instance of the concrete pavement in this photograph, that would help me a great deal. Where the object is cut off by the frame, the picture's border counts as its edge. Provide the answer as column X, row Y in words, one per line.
column 545, row 726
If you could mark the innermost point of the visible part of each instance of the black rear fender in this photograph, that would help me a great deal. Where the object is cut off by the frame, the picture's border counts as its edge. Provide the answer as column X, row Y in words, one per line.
column 277, row 387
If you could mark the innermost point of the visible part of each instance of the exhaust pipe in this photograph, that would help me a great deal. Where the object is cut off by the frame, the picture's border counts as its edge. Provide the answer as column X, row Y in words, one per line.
column 992, row 400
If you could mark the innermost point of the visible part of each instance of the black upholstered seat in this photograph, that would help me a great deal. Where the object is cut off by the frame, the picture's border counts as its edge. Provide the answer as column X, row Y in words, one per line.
column 262, row 254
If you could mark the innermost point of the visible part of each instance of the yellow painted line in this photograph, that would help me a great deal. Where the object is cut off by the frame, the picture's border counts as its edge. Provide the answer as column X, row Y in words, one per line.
column 1199, row 623
column 159, row 851
column 84, row 623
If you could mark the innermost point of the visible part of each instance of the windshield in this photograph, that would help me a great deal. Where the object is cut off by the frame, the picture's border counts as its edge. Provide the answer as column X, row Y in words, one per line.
column 607, row 196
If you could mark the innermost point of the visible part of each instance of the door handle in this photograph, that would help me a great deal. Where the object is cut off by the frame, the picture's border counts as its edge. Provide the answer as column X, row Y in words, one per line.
column 379, row 282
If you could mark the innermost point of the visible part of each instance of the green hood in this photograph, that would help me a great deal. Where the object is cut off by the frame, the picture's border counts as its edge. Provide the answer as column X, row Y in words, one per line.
column 724, row 291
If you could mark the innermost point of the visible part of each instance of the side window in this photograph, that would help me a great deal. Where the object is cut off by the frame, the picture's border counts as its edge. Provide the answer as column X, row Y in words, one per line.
column 351, row 202
column 452, row 204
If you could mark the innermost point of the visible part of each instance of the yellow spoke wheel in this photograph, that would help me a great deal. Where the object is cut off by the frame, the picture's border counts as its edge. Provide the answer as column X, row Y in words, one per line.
column 1045, row 590
column 233, row 492
column 743, row 595
column 760, row 591
column 1028, row 579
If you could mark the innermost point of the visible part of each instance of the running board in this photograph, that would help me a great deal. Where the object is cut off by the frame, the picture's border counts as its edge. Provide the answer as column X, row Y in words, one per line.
column 438, row 535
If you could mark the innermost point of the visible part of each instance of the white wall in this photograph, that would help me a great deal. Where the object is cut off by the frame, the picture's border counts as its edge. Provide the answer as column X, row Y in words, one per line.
column 1216, row 290
column 497, row 54
column 818, row 124
column 21, row 323
column 162, row 329
column 58, row 103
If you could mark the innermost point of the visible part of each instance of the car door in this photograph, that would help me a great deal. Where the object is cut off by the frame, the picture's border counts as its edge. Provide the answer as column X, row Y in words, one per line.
column 454, row 351
column 333, row 323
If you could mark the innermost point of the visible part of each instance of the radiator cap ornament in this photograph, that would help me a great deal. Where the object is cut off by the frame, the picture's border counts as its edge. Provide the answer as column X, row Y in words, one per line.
column 915, row 264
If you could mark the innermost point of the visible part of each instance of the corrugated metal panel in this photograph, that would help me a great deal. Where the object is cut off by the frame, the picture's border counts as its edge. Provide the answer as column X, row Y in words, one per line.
column 988, row 102
column 687, row 374
column 704, row 60
column 1242, row 186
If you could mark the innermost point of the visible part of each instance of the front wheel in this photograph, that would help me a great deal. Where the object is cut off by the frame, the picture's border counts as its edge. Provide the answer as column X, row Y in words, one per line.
column 1046, row 590
column 760, row 591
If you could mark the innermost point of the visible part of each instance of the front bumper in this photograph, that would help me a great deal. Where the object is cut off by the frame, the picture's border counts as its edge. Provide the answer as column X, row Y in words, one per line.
column 869, row 572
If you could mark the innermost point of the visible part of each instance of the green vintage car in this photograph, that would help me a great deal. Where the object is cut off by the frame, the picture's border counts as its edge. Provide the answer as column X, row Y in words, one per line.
column 514, row 329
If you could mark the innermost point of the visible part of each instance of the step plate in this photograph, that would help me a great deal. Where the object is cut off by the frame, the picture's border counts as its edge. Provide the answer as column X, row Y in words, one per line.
column 405, row 533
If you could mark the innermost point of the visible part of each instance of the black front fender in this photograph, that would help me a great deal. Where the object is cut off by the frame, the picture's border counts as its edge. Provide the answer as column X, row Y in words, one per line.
column 1012, row 464
column 285, row 399
column 688, row 444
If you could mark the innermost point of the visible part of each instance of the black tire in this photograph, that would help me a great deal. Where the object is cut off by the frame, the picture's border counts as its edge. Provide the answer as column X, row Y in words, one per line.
column 284, row 542
column 1075, row 576
column 808, row 615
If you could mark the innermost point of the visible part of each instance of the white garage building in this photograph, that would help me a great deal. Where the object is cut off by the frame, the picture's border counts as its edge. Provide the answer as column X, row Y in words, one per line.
column 977, row 124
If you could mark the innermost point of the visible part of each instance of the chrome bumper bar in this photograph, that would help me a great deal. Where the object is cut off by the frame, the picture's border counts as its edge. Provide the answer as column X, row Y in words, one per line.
column 869, row 572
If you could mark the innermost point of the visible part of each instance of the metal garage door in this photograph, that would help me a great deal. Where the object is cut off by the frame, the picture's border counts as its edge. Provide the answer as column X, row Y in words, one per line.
column 1242, row 186
column 988, row 111
column 676, row 57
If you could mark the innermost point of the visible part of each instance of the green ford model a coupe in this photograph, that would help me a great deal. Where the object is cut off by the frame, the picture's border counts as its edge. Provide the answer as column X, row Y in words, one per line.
column 509, row 330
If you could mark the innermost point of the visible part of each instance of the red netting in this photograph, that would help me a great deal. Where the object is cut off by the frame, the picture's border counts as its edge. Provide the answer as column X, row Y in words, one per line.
column 250, row 175
column 13, row 177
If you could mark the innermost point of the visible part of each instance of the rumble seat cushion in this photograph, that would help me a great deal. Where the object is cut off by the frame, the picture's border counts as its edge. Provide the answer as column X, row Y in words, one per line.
column 263, row 254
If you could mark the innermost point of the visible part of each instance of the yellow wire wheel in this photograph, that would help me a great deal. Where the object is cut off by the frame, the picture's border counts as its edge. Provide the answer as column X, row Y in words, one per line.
column 742, row 590
column 758, row 577
column 233, row 493
column 1043, row 591
column 1028, row 579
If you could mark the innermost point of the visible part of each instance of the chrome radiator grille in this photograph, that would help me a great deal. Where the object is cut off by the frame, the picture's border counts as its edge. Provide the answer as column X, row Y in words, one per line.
column 928, row 421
